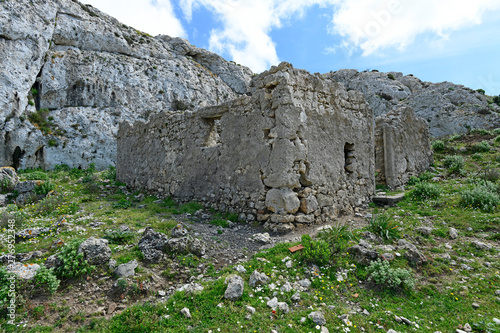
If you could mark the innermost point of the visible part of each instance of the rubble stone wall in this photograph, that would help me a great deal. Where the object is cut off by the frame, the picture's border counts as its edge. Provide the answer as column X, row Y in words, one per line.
column 402, row 148
column 300, row 149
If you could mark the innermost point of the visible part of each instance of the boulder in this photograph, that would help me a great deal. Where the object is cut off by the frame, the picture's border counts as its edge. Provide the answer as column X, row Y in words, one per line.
column 404, row 244
column 318, row 318
column 127, row 269
column 179, row 231
column 30, row 233
column 23, row 271
column 426, row 231
column 53, row 261
column 362, row 254
column 235, row 286
column 8, row 179
column 152, row 244
column 191, row 288
column 186, row 245
column 257, row 279
column 186, row 313
column 273, row 303
column 415, row 257
column 96, row 251
column 27, row 186
column 262, row 238
column 481, row 246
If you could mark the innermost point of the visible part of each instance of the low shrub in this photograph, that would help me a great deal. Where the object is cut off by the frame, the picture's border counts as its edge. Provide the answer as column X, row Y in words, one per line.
column 491, row 175
column 483, row 196
column 119, row 236
column 48, row 205
column 36, row 175
column 110, row 173
column 218, row 221
column 480, row 131
column 455, row 164
column 482, row 147
column 456, row 137
column 39, row 119
column 413, row 180
column 338, row 237
column 382, row 274
column 61, row 167
column 13, row 213
column 316, row 251
column 44, row 187
column 384, row 227
column 6, row 185
column 477, row 157
column 73, row 264
column 425, row 176
column 424, row 191
column 45, row 281
column 438, row 145
column 122, row 204
column 189, row 207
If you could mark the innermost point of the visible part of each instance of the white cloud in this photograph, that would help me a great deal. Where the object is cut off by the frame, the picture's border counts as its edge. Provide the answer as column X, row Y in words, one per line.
column 247, row 25
column 154, row 17
column 375, row 25
column 245, row 34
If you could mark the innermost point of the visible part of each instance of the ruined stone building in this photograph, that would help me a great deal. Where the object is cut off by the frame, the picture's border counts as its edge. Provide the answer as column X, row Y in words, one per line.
column 402, row 147
column 299, row 150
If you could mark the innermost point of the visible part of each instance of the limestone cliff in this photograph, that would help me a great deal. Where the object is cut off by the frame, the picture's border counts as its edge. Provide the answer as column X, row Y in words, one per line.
column 448, row 108
column 71, row 73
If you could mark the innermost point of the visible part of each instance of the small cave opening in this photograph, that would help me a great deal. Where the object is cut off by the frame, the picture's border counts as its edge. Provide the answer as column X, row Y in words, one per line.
column 16, row 157
column 40, row 158
column 36, row 89
column 349, row 157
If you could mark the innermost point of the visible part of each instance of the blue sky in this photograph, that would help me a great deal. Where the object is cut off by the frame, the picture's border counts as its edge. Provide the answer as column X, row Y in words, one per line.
column 445, row 40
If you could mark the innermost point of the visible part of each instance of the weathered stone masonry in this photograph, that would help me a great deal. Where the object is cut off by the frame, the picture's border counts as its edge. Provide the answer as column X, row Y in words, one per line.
column 300, row 149
column 402, row 147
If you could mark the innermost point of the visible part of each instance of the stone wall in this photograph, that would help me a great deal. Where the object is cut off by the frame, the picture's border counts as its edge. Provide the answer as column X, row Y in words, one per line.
column 402, row 148
column 300, row 149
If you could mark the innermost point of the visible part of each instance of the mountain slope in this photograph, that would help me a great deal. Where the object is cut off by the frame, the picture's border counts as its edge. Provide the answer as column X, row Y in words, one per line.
column 449, row 108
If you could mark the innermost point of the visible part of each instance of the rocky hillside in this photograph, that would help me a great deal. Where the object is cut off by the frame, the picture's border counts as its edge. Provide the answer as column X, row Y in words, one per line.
column 74, row 73
column 449, row 108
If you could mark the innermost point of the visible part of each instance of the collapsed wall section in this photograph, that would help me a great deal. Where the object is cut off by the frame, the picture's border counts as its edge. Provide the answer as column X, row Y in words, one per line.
column 402, row 148
column 299, row 150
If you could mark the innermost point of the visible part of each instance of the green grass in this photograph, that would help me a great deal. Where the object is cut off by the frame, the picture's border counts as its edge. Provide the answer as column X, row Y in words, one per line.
column 438, row 302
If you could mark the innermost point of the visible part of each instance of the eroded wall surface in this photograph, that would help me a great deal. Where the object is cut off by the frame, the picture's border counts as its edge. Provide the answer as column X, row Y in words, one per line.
column 299, row 150
column 402, row 148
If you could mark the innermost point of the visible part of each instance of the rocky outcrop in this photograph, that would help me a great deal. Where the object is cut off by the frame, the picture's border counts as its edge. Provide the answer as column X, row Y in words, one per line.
column 89, row 72
column 448, row 108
